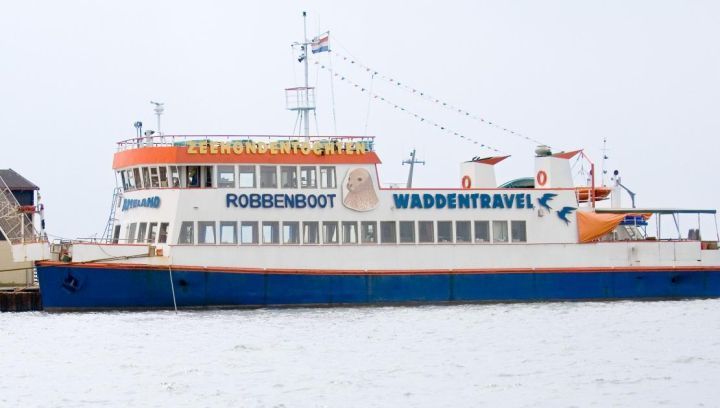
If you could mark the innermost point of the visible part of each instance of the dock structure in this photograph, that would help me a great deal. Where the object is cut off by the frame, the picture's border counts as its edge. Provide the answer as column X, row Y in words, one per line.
column 20, row 299
column 17, row 192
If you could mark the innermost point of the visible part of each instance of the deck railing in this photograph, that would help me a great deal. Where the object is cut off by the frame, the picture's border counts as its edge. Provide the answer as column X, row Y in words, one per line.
column 182, row 140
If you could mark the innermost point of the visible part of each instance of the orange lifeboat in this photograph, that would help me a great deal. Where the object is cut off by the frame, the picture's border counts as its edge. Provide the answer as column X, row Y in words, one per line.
column 584, row 193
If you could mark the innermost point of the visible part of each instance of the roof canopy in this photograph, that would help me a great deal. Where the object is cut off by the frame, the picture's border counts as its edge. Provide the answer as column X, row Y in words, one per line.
column 15, row 181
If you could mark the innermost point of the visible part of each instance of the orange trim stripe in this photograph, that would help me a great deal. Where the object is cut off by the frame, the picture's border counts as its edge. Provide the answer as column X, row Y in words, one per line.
column 179, row 155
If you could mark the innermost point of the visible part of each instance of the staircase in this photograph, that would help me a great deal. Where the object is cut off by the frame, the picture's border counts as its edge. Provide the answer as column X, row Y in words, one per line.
column 15, row 224
column 116, row 201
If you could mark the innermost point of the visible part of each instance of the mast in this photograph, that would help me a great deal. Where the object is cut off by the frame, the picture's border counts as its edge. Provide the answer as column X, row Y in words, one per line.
column 306, row 112
column 412, row 161
column 302, row 99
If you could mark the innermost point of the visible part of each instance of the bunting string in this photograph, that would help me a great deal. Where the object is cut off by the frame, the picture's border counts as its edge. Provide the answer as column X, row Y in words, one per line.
column 403, row 109
column 433, row 99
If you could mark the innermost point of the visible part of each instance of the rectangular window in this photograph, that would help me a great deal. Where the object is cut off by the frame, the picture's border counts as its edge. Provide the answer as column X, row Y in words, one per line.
column 131, row 233
column 268, row 177
column 349, row 232
column 146, row 177
column 500, row 231
column 308, row 177
column 124, row 181
column 226, row 177
column 288, row 177
column 426, row 231
column 193, row 176
column 136, row 176
column 330, row 232
column 249, row 232
column 208, row 176
column 445, row 232
column 154, row 177
column 152, row 232
column 311, row 232
column 163, row 176
column 407, row 232
column 482, row 231
column 163, row 234
column 142, row 232
column 206, row 232
column 175, row 176
column 291, row 232
column 388, row 232
column 462, row 231
column 228, row 232
column 271, row 232
column 518, row 231
column 187, row 235
column 247, row 176
column 368, row 232
column 327, row 177
column 131, row 179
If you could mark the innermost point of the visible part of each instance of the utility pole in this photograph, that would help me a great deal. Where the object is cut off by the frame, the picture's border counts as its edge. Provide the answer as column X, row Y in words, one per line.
column 412, row 162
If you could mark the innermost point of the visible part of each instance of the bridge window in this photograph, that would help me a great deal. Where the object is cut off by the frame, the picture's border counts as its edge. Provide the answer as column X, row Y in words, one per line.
column 327, row 177
column 162, row 236
column 226, row 177
column 268, row 177
column 193, row 176
column 228, row 232
column 187, row 235
column 445, row 232
column 146, row 177
column 388, row 232
column 142, row 231
column 124, row 181
column 152, row 232
column 500, row 231
column 163, row 176
column 462, row 231
column 311, row 232
column 154, row 177
column 247, row 176
column 206, row 232
column 349, row 232
column 330, row 232
column 407, row 232
column 368, row 232
column 208, row 170
column 482, row 231
column 136, row 177
column 291, row 232
column 308, row 177
column 518, row 231
column 427, row 231
column 175, row 176
column 131, row 233
column 288, row 177
column 130, row 179
column 249, row 232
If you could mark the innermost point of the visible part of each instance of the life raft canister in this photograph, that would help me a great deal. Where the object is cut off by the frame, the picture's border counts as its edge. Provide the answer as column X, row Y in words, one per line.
column 541, row 178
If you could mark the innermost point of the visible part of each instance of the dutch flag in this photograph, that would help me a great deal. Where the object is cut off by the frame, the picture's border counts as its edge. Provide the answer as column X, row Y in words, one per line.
column 320, row 43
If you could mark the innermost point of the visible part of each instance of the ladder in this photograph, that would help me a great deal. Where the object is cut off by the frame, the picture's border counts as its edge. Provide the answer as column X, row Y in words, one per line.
column 15, row 225
column 116, row 201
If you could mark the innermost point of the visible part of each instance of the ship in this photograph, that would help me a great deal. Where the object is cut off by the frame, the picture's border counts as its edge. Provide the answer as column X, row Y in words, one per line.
column 215, row 221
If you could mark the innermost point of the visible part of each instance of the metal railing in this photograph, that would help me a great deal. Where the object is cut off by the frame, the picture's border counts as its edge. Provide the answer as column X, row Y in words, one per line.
column 182, row 140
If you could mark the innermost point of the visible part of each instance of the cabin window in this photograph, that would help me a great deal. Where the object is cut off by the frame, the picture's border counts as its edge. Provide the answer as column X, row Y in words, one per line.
column 124, row 181
column 131, row 233
column 206, row 232
column 268, row 177
column 518, row 231
column 407, row 232
column 154, row 177
column 175, row 176
column 138, row 180
column 208, row 176
column 349, row 232
column 187, row 233
column 330, row 232
column 388, row 232
column 327, row 177
column 116, row 234
column 462, row 231
column 146, row 177
column 152, row 232
column 228, row 232
column 249, row 232
column 193, row 176
column 142, row 231
column 271, row 232
column 291, row 232
column 247, row 176
column 162, row 235
column 226, row 177
column 163, row 176
column 308, row 177
column 368, row 232
column 445, row 232
column 130, row 179
column 482, row 231
column 288, row 177
column 311, row 232
column 500, row 231
column 426, row 231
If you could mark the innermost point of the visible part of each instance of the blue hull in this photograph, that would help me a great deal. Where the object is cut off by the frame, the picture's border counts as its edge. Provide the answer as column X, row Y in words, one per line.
column 74, row 287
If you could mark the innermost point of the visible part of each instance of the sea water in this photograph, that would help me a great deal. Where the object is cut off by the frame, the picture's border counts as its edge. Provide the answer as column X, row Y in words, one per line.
column 543, row 354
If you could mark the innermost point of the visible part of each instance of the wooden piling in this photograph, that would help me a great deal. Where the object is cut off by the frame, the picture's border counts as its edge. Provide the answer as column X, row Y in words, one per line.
column 20, row 300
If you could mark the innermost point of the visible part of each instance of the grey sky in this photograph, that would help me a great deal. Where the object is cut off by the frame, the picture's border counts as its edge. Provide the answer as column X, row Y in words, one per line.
column 645, row 74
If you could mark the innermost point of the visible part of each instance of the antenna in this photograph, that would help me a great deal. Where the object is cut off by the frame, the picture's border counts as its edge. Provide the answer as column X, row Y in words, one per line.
column 412, row 161
column 302, row 99
column 159, row 109
column 604, row 158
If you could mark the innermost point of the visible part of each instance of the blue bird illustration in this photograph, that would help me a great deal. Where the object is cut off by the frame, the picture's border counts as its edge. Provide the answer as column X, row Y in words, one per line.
column 564, row 212
column 543, row 201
